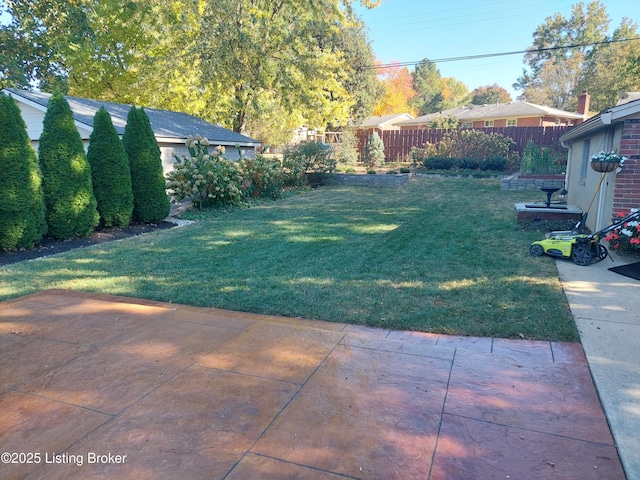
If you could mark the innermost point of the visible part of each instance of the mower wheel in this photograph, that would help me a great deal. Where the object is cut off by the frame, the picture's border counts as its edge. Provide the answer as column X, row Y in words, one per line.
column 536, row 250
column 581, row 255
column 602, row 252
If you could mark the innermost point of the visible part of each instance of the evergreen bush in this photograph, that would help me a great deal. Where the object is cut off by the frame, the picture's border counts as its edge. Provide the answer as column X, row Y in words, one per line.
column 346, row 152
column 308, row 163
column 374, row 152
column 110, row 172
column 22, row 211
column 150, row 200
column 66, row 174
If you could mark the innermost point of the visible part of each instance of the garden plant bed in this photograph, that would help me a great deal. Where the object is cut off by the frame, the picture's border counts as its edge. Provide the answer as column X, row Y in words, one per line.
column 51, row 246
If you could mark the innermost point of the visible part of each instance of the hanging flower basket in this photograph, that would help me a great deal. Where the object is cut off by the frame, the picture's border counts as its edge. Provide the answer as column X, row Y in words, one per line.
column 604, row 167
column 605, row 162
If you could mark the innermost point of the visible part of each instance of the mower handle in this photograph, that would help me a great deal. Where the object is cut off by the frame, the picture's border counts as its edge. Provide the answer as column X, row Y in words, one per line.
column 632, row 216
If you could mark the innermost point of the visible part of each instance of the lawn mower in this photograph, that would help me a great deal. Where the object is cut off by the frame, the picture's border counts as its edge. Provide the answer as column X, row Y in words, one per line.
column 583, row 249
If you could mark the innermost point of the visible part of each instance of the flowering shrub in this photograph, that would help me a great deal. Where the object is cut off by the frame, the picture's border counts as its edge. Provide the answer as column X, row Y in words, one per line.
column 608, row 157
column 468, row 148
column 626, row 237
column 261, row 177
column 206, row 178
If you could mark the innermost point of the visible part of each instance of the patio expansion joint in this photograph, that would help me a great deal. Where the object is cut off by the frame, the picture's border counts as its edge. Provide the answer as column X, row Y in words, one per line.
column 442, row 413
column 284, row 407
column 61, row 402
column 309, row 467
column 532, row 430
column 605, row 321
column 409, row 354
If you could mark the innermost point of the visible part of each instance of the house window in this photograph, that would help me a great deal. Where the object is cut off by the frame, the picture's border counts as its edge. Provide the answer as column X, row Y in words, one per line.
column 488, row 123
column 467, row 125
column 585, row 161
column 512, row 122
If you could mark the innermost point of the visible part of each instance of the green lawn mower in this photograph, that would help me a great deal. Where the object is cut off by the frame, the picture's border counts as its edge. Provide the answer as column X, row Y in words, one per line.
column 583, row 249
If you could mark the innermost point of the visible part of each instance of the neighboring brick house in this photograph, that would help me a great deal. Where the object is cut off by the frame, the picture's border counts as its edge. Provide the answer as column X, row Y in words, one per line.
column 617, row 128
column 514, row 114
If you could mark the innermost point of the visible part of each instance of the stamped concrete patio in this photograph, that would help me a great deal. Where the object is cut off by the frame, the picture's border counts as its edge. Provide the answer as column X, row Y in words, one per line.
column 110, row 387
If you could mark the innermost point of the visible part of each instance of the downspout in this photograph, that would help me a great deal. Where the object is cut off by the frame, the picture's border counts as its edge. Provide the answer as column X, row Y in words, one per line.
column 602, row 195
column 567, row 175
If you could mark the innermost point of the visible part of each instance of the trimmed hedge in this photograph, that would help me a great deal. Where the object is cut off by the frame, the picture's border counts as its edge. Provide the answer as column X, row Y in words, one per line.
column 110, row 172
column 150, row 200
column 492, row 163
column 68, row 192
column 22, row 210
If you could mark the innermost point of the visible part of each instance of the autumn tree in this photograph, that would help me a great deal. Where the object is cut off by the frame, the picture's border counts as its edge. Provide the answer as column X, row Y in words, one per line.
column 490, row 94
column 398, row 91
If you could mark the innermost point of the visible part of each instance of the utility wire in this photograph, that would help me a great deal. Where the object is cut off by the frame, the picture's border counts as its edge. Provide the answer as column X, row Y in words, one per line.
column 501, row 54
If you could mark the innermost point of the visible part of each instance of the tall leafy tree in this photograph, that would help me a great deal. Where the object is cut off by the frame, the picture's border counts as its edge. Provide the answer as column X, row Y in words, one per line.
column 454, row 93
column 37, row 41
column 608, row 73
column 569, row 55
column 110, row 172
column 490, row 94
column 427, row 83
column 434, row 93
column 254, row 47
column 150, row 200
column 68, row 192
column 361, row 80
column 227, row 61
column 22, row 211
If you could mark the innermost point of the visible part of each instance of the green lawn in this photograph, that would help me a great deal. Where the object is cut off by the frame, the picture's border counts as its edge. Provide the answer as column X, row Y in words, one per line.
column 439, row 255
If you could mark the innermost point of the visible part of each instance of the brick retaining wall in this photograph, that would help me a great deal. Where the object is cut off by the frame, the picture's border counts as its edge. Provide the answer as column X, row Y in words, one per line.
column 531, row 183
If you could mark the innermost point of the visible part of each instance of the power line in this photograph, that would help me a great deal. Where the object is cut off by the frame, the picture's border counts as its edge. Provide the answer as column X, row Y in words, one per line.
column 501, row 54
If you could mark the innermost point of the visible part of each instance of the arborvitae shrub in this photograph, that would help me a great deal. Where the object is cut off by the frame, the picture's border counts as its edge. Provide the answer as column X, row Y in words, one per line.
column 374, row 152
column 22, row 212
column 150, row 200
column 68, row 193
column 110, row 172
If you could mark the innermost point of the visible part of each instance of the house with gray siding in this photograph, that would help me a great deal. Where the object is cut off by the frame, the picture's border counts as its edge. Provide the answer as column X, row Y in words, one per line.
column 171, row 129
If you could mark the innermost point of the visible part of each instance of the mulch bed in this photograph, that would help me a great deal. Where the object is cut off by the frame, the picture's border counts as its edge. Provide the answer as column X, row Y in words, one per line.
column 51, row 246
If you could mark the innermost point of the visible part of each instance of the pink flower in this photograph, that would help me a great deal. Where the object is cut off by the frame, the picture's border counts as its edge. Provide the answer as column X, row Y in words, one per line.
column 635, row 241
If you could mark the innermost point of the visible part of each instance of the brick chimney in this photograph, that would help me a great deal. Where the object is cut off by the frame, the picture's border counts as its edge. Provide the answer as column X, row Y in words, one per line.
column 584, row 99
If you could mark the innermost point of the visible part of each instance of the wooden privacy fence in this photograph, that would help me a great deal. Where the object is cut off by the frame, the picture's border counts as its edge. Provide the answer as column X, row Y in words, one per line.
column 398, row 143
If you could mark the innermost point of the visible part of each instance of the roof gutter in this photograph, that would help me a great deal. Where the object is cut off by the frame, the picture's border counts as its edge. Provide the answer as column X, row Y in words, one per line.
column 604, row 119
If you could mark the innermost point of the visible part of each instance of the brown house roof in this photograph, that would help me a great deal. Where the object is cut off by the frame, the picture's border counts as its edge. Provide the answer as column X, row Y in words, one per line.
column 494, row 111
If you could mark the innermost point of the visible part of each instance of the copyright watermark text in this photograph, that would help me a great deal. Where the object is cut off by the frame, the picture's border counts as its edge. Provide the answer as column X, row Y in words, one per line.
column 62, row 458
